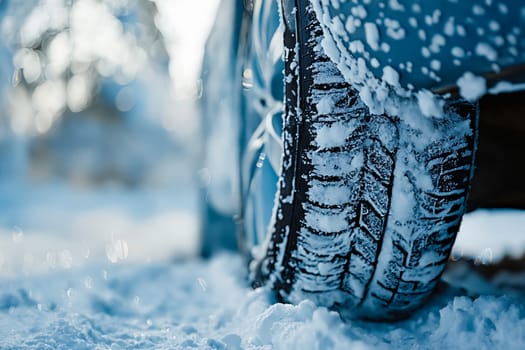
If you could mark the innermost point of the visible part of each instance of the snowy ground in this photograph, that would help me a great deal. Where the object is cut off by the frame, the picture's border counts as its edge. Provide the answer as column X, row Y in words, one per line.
column 196, row 304
column 75, row 277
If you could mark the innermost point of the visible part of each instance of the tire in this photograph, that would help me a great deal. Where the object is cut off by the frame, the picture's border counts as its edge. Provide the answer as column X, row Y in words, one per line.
column 367, row 206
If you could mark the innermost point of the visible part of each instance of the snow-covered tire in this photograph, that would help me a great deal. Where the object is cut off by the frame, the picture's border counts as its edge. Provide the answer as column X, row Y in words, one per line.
column 367, row 206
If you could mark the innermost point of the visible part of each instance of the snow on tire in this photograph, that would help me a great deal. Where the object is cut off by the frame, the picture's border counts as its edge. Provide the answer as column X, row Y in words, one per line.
column 368, row 206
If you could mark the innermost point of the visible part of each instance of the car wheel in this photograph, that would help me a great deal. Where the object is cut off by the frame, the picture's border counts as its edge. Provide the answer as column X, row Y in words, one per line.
column 353, row 210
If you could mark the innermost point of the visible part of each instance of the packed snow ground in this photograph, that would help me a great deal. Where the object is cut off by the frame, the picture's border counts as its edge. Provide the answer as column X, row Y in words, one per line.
column 75, row 277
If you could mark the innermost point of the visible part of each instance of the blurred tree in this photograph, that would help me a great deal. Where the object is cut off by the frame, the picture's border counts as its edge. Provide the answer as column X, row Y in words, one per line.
column 63, row 51
column 76, row 105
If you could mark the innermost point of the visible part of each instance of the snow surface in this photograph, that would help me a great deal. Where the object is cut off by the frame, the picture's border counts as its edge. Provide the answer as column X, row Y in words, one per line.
column 62, row 288
column 207, row 305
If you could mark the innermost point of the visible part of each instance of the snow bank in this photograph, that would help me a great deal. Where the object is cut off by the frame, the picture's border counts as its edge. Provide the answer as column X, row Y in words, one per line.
column 496, row 232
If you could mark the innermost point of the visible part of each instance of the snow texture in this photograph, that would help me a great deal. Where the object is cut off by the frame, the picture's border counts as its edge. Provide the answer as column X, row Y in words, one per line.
column 208, row 305
column 59, row 288
column 471, row 87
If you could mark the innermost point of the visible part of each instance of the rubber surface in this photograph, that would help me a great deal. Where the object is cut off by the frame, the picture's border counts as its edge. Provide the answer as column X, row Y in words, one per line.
column 368, row 205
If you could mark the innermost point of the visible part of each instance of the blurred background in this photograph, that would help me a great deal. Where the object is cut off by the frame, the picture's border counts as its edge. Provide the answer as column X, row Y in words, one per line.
column 99, row 130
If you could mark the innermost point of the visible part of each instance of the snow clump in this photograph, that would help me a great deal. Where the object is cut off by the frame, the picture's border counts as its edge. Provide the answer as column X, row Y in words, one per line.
column 472, row 87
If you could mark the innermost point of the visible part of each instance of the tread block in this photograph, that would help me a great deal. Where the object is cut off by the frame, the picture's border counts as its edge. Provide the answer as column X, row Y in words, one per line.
column 332, row 246
column 370, row 221
column 379, row 162
column 358, row 274
column 364, row 246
